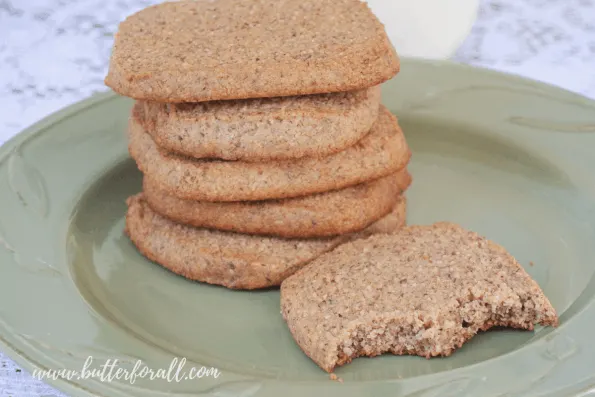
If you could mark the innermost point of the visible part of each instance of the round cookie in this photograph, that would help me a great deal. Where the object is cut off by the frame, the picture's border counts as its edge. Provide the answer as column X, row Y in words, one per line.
column 321, row 215
column 382, row 152
column 232, row 260
column 196, row 51
column 423, row 290
column 259, row 130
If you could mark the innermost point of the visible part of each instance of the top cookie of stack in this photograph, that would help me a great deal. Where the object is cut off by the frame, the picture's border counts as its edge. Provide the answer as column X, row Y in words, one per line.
column 260, row 117
column 196, row 51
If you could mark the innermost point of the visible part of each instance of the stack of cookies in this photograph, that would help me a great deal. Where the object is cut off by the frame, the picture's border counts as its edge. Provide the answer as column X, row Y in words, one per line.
column 259, row 129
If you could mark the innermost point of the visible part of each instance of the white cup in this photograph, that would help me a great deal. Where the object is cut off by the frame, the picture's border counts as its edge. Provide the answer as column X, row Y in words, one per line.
column 431, row 29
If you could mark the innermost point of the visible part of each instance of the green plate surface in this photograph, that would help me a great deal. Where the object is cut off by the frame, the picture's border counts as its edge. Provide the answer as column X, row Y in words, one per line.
column 509, row 158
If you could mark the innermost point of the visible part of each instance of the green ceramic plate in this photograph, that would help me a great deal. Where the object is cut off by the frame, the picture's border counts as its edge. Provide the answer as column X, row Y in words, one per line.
column 507, row 157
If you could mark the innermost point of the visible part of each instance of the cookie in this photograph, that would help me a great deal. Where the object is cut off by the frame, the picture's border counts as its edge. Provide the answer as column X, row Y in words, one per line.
column 382, row 152
column 321, row 215
column 196, row 51
column 424, row 290
column 233, row 260
column 259, row 130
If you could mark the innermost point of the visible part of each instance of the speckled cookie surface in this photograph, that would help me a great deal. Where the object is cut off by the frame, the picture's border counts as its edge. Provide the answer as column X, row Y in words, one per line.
column 321, row 215
column 195, row 51
column 232, row 260
column 263, row 129
column 425, row 290
column 382, row 152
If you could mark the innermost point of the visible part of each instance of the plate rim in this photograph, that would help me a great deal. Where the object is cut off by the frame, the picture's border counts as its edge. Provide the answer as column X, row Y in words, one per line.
column 29, row 363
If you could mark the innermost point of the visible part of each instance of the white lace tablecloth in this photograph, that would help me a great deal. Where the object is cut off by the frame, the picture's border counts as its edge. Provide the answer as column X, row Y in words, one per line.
column 55, row 52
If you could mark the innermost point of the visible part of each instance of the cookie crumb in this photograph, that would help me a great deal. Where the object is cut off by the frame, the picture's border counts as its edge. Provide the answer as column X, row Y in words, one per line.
column 335, row 378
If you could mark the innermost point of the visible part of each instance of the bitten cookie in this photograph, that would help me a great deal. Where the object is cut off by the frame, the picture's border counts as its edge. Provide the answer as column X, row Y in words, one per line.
column 259, row 130
column 425, row 290
column 382, row 152
column 236, row 261
column 196, row 51
column 321, row 215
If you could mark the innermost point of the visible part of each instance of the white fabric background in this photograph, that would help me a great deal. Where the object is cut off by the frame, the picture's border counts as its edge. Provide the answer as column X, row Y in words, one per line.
column 55, row 52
